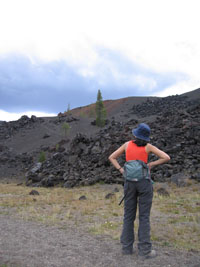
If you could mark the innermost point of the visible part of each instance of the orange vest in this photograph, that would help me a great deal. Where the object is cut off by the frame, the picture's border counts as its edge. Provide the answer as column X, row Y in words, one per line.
column 134, row 152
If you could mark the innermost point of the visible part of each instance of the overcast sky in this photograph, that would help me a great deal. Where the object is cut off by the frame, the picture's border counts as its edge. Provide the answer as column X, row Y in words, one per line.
column 55, row 53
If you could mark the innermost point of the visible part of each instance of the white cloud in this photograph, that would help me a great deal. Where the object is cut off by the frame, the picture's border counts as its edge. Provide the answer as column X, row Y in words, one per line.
column 179, row 88
column 11, row 116
column 160, row 35
column 145, row 82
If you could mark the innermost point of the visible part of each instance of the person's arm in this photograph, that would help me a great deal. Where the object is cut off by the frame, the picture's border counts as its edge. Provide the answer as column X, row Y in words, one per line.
column 113, row 157
column 163, row 157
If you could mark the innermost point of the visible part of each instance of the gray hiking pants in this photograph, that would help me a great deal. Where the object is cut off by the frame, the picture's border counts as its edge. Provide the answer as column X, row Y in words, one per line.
column 140, row 193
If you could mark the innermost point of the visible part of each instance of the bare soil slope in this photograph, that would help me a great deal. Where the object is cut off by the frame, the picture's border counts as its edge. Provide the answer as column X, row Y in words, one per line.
column 30, row 244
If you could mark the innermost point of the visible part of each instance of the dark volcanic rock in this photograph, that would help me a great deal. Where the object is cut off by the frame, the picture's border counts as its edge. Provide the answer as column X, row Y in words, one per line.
column 83, row 160
column 46, row 135
column 167, row 105
column 109, row 195
column 179, row 179
column 163, row 192
column 196, row 176
column 86, row 161
column 9, row 129
column 34, row 193
column 82, row 198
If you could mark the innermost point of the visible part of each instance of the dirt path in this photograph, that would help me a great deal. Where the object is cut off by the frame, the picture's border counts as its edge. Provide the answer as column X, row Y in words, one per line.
column 31, row 244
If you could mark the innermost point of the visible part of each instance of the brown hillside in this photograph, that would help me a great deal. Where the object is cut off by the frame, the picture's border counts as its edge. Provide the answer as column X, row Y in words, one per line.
column 113, row 107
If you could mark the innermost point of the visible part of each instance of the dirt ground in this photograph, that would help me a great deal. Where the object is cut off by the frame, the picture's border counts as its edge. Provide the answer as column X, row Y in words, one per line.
column 31, row 244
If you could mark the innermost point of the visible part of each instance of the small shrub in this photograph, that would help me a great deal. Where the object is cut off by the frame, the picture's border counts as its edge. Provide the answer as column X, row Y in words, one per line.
column 57, row 147
column 65, row 128
column 42, row 157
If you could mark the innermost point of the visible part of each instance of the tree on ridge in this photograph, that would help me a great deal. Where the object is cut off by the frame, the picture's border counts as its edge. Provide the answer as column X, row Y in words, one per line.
column 100, row 111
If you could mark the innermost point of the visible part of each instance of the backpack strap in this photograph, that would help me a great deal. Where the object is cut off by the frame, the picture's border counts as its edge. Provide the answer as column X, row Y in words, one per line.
column 123, row 197
column 144, row 169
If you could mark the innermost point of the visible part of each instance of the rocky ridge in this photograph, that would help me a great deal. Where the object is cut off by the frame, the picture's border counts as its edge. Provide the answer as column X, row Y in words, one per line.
column 83, row 160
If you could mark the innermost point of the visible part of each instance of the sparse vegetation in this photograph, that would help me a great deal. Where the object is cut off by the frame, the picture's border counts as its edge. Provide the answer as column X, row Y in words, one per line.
column 65, row 128
column 175, row 220
column 42, row 157
column 57, row 147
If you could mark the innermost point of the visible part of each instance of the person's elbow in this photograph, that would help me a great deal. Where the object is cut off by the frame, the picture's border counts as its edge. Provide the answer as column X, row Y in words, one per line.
column 167, row 158
column 110, row 158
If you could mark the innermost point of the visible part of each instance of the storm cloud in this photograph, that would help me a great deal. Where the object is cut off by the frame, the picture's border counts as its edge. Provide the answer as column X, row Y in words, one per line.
column 27, row 84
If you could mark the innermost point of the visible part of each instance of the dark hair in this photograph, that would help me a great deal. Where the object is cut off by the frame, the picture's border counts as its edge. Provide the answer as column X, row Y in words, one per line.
column 140, row 142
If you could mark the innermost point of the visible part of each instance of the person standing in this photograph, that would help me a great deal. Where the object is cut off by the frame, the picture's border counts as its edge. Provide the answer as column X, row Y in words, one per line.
column 138, row 194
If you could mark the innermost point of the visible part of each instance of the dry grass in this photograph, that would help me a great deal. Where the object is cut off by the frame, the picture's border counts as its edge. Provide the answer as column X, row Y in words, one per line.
column 175, row 220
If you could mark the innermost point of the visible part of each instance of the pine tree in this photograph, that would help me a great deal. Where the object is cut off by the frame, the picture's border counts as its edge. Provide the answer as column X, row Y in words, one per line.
column 100, row 111
column 68, row 108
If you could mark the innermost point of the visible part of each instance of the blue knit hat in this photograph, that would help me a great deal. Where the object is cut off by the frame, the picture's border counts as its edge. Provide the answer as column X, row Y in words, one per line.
column 142, row 132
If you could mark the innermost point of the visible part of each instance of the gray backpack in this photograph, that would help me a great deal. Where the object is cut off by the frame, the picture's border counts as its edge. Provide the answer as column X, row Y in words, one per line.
column 136, row 170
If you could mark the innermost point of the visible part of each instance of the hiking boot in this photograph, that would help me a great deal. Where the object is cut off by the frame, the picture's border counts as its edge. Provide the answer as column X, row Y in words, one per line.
column 150, row 255
column 127, row 252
